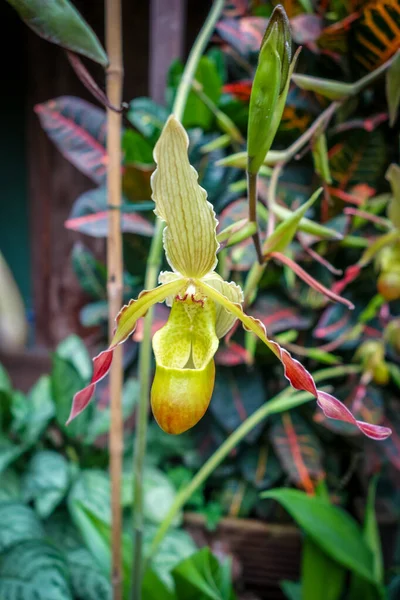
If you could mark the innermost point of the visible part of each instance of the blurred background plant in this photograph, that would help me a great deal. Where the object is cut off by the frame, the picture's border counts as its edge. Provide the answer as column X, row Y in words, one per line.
column 340, row 131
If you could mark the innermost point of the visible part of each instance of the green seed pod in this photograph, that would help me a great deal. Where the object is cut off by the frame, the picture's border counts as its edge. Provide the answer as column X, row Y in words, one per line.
column 381, row 374
column 389, row 285
column 392, row 334
column 393, row 176
column 370, row 354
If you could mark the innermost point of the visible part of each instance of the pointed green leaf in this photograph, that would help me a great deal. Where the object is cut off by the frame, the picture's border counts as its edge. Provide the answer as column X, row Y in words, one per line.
column 393, row 89
column 285, row 232
column 59, row 22
column 329, row 527
column 317, row 568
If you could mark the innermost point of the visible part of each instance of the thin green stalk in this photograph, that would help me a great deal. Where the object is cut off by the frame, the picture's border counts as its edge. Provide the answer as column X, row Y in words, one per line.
column 153, row 268
column 252, row 194
column 286, row 400
column 194, row 57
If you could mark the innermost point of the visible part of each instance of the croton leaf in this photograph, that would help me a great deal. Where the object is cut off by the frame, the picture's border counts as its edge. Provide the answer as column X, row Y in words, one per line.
column 237, row 497
column 237, row 394
column 392, row 449
column 91, row 273
column 235, row 8
column 148, row 117
column 160, row 317
column 78, row 129
column 280, row 314
column 298, row 449
column 136, row 148
column 306, row 28
column 60, row 23
column 357, row 156
column 90, row 216
column 232, row 354
column 339, row 326
column 393, row 89
column 260, row 466
column 377, row 33
column 244, row 35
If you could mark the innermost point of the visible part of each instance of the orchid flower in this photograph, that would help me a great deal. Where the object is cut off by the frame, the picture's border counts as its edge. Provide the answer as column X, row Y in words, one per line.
column 204, row 307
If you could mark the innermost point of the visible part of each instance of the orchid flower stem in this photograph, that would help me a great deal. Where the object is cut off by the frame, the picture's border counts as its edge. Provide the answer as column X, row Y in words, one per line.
column 287, row 399
column 252, row 192
column 257, row 270
column 152, row 271
column 271, row 200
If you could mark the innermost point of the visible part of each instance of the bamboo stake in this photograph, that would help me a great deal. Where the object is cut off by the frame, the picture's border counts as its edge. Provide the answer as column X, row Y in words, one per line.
column 114, row 267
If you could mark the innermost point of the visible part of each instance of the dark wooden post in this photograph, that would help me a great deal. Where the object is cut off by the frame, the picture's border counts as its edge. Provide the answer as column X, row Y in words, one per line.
column 167, row 35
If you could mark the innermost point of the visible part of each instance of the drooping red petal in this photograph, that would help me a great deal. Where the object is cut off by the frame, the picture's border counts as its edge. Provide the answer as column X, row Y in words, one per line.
column 297, row 375
column 300, row 272
column 334, row 409
column 101, row 366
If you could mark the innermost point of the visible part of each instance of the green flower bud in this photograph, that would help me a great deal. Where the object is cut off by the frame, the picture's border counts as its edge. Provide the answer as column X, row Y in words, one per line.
column 280, row 21
column 270, row 87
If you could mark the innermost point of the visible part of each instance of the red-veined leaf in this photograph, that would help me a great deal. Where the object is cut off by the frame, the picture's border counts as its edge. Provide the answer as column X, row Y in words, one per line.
column 334, row 38
column 238, row 498
column 260, row 466
column 298, row 450
column 237, row 394
column 97, row 225
column 235, row 8
column 78, row 129
column 232, row 354
column 239, row 89
column 336, row 321
column 244, row 35
column 160, row 317
column 392, row 449
column 393, row 89
column 306, row 28
column 90, row 272
column 136, row 181
column 357, row 156
column 279, row 314
column 89, row 215
column 377, row 33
